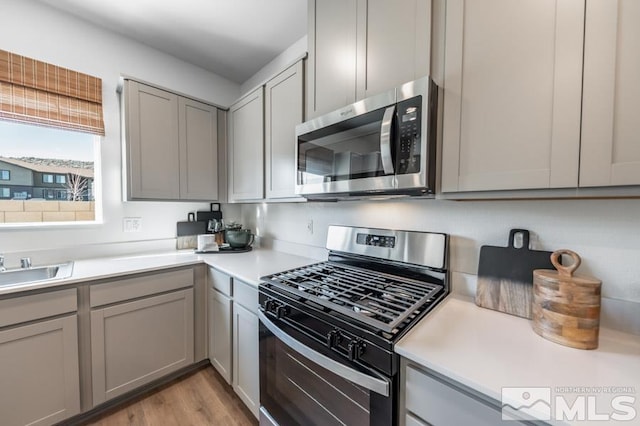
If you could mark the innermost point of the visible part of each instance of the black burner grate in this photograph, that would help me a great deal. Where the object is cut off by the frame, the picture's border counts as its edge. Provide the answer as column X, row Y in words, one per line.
column 381, row 300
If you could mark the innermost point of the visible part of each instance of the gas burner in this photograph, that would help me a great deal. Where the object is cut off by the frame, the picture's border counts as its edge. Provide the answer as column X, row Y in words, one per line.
column 325, row 292
column 368, row 308
column 397, row 295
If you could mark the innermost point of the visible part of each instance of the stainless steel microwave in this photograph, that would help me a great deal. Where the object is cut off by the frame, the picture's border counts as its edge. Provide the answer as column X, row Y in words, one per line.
column 383, row 145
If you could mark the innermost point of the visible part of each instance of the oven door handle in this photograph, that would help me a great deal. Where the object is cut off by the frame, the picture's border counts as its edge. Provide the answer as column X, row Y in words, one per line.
column 379, row 385
column 385, row 140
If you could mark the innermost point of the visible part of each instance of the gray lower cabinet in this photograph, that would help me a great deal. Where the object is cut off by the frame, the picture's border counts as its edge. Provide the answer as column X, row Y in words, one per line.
column 39, row 375
column 245, row 357
column 134, row 342
column 429, row 399
column 220, row 322
column 233, row 335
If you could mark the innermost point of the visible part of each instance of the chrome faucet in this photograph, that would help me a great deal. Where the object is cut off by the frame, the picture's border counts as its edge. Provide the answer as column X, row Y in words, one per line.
column 25, row 263
column 2, row 268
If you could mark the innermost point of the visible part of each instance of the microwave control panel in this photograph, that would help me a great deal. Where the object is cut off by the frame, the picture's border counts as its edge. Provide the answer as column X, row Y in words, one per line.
column 409, row 136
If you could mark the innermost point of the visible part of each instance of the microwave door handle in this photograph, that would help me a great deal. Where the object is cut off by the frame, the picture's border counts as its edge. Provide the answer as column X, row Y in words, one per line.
column 379, row 385
column 385, row 140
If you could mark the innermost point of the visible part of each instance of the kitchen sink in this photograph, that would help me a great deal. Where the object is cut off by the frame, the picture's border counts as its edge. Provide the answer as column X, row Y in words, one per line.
column 37, row 273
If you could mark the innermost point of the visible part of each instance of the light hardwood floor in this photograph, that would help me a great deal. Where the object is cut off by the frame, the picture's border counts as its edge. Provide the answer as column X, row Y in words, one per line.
column 201, row 398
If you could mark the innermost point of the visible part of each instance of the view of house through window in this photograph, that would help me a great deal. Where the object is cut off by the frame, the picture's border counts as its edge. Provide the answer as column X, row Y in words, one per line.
column 46, row 174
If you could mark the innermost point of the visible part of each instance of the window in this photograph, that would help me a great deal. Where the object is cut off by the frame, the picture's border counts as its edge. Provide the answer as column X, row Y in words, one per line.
column 49, row 119
column 5, row 175
column 37, row 155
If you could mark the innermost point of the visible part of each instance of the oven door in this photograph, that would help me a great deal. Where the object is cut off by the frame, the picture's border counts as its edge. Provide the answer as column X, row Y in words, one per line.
column 304, row 383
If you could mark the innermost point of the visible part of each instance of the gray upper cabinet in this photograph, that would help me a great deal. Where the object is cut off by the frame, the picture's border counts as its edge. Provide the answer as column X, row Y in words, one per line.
column 151, row 123
column 358, row 48
column 246, row 148
column 512, row 95
column 393, row 43
column 198, row 150
column 172, row 145
column 331, row 77
column 284, row 109
column 610, row 152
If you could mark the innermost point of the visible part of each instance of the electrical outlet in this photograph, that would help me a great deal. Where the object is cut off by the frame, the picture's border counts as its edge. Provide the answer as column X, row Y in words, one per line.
column 132, row 224
column 310, row 226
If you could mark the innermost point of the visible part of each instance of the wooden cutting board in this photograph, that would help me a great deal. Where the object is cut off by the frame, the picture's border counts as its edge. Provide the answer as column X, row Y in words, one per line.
column 505, row 275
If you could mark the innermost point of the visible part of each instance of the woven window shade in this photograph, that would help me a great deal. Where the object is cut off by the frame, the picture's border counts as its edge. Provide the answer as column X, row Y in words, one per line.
column 35, row 92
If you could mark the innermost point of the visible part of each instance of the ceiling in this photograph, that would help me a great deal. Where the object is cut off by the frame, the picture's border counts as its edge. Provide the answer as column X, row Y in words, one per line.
column 232, row 38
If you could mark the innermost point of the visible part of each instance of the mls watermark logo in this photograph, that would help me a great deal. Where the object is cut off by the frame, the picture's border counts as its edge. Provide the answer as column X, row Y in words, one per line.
column 526, row 403
column 597, row 403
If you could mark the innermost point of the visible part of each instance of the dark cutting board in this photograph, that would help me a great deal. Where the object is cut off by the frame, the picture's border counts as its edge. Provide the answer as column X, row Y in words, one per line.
column 187, row 232
column 505, row 275
column 215, row 212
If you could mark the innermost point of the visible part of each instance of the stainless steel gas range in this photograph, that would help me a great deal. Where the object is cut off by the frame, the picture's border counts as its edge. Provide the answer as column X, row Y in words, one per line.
column 328, row 330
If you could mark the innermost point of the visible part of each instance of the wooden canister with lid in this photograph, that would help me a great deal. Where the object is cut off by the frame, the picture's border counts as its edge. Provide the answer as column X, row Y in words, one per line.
column 566, row 307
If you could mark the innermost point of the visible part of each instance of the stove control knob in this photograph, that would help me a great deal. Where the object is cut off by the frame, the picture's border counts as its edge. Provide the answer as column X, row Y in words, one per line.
column 355, row 349
column 333, row 338
column 270, row 305
column 282, row 311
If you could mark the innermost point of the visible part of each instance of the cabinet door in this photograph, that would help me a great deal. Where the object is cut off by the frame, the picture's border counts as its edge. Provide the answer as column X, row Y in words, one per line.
column 610, row 152
column 137, row 342
column 331, row 81
column 393, row 43
column 245, row 357
column 246, row 148
column 283, row 111
column 220, row 323
column 152, row 139
column 39, row 382
column 512, row 94
column 198, row 125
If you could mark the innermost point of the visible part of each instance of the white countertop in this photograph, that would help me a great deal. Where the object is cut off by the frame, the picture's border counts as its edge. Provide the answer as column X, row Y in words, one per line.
column 487, row 350
column 248, row 267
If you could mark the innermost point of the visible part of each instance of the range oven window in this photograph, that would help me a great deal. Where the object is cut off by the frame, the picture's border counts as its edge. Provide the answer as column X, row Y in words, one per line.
column 299, row 392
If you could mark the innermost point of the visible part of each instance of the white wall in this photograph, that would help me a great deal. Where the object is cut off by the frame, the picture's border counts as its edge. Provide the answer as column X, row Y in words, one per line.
column 35, row 30
column 277, row 65
column 605, row 233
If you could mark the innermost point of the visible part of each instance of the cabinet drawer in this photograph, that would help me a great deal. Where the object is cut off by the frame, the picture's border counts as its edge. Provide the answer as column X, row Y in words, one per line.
column 246, row 295
column 438, row 403
column 131, row 288
column 220, row 281
column 36, row 306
